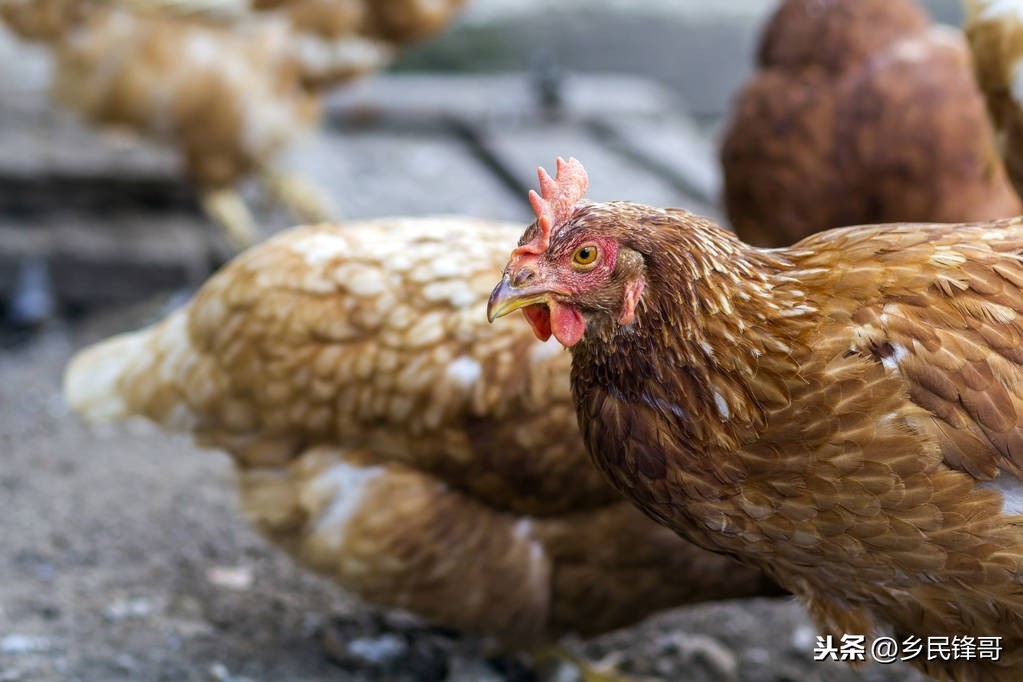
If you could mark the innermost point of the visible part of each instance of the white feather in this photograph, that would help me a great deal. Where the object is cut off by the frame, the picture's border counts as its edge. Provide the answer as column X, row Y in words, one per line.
column 320, row 247
column 345, row 486
column 92, row 376
column 892, row 361
column 464, row 370
column 722, row 406
column 1011, row 489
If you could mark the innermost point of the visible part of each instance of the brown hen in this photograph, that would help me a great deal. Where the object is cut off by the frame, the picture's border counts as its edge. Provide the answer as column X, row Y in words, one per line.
column 861, row 111
column 336, row 40
column 846, row 413
column 393, row 21
column 389, row 438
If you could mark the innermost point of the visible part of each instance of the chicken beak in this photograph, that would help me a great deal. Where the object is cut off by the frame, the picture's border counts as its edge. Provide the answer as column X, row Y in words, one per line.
column 506, row 298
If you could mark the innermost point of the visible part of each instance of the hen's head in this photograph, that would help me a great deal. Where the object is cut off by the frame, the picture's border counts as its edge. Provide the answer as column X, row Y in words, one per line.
column 572, row 264
column 603, row 266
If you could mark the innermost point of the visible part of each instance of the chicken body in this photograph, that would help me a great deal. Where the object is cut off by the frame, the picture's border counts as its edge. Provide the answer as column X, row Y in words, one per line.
column 994, row 29
column 861, row 111
column 334, row 41
column 392, row 22
column 230, row 100
column 844, row 413
column 385, row 436
column 339, row 40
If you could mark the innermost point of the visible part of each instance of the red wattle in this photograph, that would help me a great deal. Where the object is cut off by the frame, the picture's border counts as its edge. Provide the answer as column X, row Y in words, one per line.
column 539, row 319
column 566, row 322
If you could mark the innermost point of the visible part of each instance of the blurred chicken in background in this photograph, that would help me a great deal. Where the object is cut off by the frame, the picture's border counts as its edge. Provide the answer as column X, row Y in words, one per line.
column 389, row 23
column 994, row 29
column 232, row 96
column 861, row 111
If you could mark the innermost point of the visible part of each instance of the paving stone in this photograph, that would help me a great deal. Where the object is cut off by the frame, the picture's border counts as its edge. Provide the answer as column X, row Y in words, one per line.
column 612, row 175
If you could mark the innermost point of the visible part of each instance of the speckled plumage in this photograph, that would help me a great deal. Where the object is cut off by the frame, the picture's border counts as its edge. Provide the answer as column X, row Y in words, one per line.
column 860, row 111
column 846, row 414
column 386, row 436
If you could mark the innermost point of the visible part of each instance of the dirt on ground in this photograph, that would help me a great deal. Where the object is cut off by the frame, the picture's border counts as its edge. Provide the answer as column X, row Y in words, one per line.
column 124, row 557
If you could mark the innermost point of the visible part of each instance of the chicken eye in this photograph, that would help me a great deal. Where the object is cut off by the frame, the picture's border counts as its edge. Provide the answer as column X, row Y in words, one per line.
column 585, row 255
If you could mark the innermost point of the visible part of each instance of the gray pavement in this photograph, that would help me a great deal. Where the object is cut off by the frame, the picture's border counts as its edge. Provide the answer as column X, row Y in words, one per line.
column 700, row 48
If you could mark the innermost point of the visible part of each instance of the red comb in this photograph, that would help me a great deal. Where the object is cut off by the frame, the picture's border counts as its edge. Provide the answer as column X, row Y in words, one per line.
column 556, row 201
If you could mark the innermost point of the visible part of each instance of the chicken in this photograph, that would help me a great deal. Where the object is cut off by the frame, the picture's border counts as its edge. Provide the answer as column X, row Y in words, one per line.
column 231, row 103
column 232, row 97
column 844, row 413
column 343, row 39
column 391, row 22
column 861, row 111
column 994, row 29
column 336, row 40
column 387, row 437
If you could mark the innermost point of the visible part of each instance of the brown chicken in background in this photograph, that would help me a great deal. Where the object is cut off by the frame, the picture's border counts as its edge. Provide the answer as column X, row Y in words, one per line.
column 389, row 438
column 391, row 22
column 861, row 111
column 846, row 413
column 338, row 40
column 231, row 103
column 231, row 96
column 994, row 29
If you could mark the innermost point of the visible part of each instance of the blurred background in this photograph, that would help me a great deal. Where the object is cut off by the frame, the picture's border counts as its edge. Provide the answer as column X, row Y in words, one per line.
column 123, row 556
column 639, row 90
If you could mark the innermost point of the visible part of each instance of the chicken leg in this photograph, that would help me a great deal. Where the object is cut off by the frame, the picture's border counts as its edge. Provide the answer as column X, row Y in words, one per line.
column 304, row 200
column 226, row 208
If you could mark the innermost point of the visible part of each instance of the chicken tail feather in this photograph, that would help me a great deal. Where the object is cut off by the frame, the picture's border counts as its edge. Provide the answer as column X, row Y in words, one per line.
column 133, row 374
column 93, row 377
